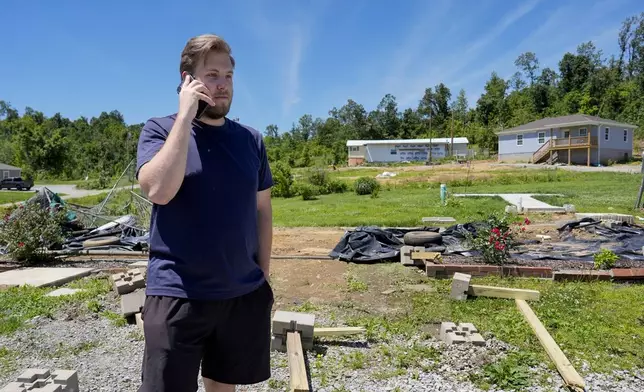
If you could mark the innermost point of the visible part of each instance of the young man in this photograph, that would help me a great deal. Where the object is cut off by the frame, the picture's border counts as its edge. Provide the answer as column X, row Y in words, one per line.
column 208, row 297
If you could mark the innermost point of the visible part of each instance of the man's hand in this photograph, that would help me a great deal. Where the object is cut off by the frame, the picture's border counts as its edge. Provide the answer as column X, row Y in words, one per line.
column 191, row 92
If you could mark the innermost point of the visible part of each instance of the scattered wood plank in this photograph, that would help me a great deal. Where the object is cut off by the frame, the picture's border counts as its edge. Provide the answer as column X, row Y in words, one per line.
column 503, row 292
column 296, row 365
column 337, row 331
column 565, row 368
column 425, row 255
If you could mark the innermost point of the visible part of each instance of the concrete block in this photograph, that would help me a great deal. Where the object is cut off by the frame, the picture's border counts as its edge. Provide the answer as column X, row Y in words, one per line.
column 132, row 303
column 453, row 338
column 42, row 380
column 278, row 343
column 405, row 255
column 303, row 322
column 476, row 339
column 467, row 327
column 446, row 327
column 460, row 285
column 127, row 282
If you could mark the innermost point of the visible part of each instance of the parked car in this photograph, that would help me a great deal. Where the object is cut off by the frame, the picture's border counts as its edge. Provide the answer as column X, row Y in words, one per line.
column 16, row 182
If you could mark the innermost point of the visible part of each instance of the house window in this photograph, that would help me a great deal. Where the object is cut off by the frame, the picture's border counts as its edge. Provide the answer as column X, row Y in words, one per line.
column 625, row 135
column 583, row 132
column 566, row 134
column 519, row 140
column 354, row 148
column 542, row 137
column 393, row 151
column 606, row 133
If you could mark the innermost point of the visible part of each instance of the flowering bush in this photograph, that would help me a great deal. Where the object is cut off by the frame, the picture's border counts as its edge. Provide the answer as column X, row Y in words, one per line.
column 30, row 229
column 497, row 238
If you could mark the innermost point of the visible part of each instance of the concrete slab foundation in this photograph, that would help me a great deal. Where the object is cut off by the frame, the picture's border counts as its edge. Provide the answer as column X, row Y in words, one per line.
column 42, row 277
column 524, row 202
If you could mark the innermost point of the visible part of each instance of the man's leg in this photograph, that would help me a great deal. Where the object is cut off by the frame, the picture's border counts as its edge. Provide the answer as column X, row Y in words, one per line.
column 174, row 340
column 239, row 350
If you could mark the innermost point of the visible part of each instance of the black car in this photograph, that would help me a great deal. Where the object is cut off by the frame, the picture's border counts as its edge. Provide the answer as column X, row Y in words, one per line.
column 16, row 182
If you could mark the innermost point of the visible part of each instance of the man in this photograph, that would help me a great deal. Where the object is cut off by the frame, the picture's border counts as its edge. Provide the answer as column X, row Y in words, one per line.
column 208, row 296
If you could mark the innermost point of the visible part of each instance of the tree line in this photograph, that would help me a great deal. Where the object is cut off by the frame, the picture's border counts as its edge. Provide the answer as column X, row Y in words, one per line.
column 586, row 81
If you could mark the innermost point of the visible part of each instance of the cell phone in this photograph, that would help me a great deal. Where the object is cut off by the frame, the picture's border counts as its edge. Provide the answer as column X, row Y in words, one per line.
column 203, row 105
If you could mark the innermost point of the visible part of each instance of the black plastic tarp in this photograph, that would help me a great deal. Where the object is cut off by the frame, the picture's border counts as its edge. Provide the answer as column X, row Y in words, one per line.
column 372, row 244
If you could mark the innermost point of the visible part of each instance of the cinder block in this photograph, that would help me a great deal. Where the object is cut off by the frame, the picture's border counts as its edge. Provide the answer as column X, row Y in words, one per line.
column 132, row 303
column 127, row 282
column 42, row 380
column 460, row 285
column 304, row 323
column 467, row 327
column 446, row 327
column 405, row 255
column 476, row 339
column 453, row 338
column 278, row 343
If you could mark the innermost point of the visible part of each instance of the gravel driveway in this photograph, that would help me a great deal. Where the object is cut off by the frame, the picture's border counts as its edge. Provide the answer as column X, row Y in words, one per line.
column 108, row 358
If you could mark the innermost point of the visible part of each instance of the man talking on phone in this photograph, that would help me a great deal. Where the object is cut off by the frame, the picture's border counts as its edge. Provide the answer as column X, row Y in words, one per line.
column 208, row 299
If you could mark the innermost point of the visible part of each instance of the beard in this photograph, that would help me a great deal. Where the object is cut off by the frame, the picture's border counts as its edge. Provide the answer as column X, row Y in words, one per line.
column 218, row 111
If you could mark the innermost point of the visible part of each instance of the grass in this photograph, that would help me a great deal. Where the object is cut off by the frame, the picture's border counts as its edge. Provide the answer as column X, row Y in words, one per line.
column 14, row 196
column 20, row 304
column 600, row 323
column 406, row 203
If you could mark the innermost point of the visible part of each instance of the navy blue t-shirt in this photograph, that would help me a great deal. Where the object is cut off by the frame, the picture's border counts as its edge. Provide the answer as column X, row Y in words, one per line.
column 204, row 242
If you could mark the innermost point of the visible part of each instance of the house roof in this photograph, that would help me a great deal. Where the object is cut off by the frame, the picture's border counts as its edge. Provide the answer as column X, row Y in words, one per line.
column 8, row 167
column 565, row 121
column 437, row 140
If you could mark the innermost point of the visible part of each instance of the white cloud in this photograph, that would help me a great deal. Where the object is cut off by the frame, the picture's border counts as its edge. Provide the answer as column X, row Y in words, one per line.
column 292, row 88
column 446, row 67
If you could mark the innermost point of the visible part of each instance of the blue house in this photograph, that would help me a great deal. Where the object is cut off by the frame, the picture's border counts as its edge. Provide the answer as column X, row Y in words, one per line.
column 574, row 139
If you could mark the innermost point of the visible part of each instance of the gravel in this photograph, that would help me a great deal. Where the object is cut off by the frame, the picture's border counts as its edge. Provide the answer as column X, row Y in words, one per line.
column 108, row 358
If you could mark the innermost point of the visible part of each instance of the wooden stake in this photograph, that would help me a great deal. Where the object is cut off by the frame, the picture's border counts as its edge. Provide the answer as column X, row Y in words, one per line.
column 296, row 365
column 337, row 331
column 502, row 292
column 565, row 368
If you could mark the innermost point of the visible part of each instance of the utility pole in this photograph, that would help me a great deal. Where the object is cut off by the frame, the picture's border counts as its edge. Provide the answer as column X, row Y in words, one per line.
column 451, row 146
column 638, row 202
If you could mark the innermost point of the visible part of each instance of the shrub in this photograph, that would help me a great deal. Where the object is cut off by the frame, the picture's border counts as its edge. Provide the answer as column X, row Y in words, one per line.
column 605, row 259
column 337, row 186
column 496, row 239
column 366, row 186
column 308, row 191
column 30, row 229
column 283, row 180
column 317, row 176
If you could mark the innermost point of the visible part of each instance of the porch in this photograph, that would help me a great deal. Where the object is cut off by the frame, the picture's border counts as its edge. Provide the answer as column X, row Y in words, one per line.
column 561, row 150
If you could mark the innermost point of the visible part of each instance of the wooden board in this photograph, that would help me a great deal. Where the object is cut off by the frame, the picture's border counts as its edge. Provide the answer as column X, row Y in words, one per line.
column 296, row 365
column 337, row 331
column 502, row 292
column 565, row 368
column 425, row 255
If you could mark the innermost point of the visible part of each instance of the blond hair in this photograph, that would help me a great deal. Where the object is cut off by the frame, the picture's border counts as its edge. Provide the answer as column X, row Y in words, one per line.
column 198, row 47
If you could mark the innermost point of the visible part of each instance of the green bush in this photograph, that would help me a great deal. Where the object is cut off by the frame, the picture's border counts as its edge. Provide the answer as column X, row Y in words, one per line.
column 308, row 191
column 337, row 186
column 317, row 176
column 283, row 180
column 30, row 230
column 366, row 186
column 605, row 259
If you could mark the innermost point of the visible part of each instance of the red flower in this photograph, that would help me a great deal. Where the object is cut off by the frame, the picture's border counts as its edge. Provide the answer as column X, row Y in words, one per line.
column 499, row 246
column 21, row 244
column 491, row 239
column 523, row 229
column 527, row 221
column 496, row 231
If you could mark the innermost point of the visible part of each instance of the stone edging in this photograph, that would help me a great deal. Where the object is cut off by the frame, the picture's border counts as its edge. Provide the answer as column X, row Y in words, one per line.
column 615, row 274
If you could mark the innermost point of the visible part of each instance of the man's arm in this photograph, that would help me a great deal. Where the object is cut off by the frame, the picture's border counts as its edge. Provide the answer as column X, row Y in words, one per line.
column 265, row 228
column 162, row 175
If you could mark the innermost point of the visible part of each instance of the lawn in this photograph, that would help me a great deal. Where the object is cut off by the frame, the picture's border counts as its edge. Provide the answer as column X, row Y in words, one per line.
column 404, row 204
column 14, row 196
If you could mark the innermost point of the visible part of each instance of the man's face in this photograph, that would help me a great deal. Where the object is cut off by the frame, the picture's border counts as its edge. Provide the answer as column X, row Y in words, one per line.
column 216, row 72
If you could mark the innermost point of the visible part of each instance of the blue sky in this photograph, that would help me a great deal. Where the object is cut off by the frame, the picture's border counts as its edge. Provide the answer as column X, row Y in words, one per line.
column 80, row 58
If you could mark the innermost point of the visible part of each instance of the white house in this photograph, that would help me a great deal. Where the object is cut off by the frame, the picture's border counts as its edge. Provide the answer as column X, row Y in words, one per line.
column 574, row 139
column 361, row 151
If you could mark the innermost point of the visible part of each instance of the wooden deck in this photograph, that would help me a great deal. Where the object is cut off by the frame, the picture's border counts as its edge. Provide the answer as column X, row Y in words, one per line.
column 570, row 143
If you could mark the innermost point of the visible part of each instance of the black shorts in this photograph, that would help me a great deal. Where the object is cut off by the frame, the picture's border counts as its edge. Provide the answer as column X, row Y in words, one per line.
column 230, row 339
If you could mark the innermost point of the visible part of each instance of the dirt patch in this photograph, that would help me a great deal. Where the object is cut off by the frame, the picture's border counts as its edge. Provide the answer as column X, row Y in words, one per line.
column 310, row 241
column 314, row 281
